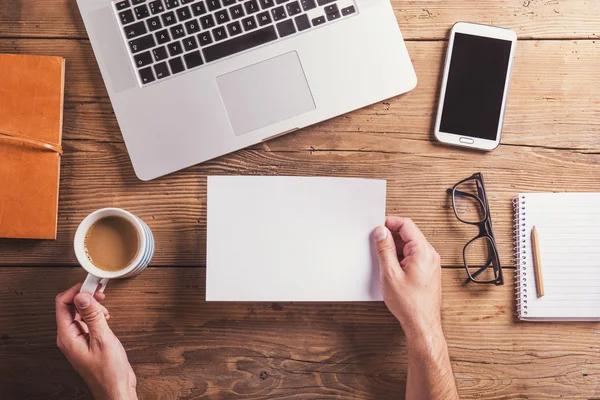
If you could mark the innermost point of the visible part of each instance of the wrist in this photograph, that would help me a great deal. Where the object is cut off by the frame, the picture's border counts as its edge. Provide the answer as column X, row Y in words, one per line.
column 424, row 341
column 125, row 393
column 424, row 333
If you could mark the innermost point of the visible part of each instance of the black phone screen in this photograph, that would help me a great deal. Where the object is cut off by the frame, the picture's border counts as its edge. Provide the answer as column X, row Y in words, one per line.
column 475, row 87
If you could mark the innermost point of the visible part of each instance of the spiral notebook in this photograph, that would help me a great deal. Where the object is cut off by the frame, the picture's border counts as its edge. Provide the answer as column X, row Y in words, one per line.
column 568, row 226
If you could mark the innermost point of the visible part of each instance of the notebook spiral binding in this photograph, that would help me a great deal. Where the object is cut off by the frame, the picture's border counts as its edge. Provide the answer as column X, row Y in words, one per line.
column 520, row 250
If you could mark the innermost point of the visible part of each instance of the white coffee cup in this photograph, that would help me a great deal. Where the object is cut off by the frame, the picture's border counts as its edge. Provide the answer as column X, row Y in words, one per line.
column 99, row 277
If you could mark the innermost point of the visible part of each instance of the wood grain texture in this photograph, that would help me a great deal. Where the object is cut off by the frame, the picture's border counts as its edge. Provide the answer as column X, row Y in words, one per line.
column 553, row 100
column 418, row 19
column 183, row 347
column 96, row 175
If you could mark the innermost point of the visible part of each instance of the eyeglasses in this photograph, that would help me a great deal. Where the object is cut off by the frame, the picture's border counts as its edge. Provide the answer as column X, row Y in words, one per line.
column 480, row 254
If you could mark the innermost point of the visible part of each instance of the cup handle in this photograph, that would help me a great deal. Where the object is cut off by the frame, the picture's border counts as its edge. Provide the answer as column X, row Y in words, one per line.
column 91, row 284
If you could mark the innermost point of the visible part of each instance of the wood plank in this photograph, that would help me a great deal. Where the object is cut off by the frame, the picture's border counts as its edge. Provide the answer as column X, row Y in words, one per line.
column 96, row 175
column 418, row 19
column 183, row 347
column 553, row 99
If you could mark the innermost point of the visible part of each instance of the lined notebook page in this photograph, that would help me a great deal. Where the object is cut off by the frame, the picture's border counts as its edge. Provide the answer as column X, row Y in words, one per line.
column 568, row 226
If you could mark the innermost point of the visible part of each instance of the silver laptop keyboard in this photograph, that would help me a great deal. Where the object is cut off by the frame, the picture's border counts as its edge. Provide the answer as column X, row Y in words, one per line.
column 169, row 37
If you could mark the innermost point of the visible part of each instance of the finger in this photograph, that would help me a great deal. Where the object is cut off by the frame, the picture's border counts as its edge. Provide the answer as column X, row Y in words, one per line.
column 405, row 227
column 104, row 311
column 65, row 312
column 82, row 326
column 408, row 231
column 100, row 296
column 386, row 253
column 92, row 314
column 399, row 244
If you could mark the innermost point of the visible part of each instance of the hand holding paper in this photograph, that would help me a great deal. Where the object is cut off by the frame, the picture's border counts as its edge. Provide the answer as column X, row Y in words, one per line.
column 411, row 287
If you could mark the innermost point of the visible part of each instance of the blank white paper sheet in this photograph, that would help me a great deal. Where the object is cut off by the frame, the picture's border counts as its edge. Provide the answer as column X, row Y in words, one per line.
column 278, row 238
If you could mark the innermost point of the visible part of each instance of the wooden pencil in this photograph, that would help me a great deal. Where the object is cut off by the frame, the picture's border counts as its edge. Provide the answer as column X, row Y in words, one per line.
column 537, row 260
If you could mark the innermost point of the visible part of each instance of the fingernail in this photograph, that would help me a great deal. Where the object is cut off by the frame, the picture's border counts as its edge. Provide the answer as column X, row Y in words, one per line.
column 82, row 301
column 380, row 233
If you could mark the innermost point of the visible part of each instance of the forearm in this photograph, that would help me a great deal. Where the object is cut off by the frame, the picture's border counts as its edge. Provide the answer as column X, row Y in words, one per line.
column 429, row 370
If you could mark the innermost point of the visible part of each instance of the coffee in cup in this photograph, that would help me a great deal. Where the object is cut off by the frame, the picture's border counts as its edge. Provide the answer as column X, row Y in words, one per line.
column 112, row 243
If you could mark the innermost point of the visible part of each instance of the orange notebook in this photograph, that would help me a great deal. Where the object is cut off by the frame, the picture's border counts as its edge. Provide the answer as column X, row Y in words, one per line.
column 31, row 108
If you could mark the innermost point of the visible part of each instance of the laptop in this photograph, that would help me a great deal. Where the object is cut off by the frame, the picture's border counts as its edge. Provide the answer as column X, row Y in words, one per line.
column 191, row 80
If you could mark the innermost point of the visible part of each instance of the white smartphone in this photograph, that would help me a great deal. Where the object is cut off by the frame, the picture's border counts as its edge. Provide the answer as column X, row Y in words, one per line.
column 475, row 85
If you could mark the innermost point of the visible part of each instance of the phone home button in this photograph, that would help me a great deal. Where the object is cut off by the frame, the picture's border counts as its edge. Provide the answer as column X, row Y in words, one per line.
column 466, row 140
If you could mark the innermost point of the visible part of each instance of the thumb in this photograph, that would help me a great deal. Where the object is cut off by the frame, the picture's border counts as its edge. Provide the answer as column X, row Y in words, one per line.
column 386, row 252
column 92, row 314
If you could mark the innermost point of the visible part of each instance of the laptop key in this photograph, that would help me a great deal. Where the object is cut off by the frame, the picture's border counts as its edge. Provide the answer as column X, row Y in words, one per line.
column 199, row 9
column 240, row 43
column 281, row 1
column 169, row 18
column 251, row 7
column 237, row 11
column 193, row 59
column 264, row 18
column 331, row 9
column 153, row 23
column 348, row 10
column 207, row 21
column 278, row 13
column 286, row 28
column 176, row 65
column 219, row 33
column 161, row 69
column 135, row 2
column 308, row 4
column 160, row 53
column 293, row 8
column 156, row 7
column 227, row 3
column 121, row 5
column 171, row 4
column 174, row 48
column 264, row 4
column 177, row 31
column 141, row 43
column 234, row 28
column 143, row 59
column 204, row 39
column 190, row 44
column 323, row 2
column 186, row 1
column 134, row 30
column 249, row 23
column 126, row 17
column 333, row 16
column 162, row 37
column 146, row 75
column 192, row 27
column 222, row 16
column 213, row 5
column 183, row 13
column 302, row 22
column 141, row 12
column 318, row 21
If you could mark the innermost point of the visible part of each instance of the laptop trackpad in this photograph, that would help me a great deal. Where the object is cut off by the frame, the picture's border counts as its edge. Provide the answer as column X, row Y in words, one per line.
column 265, row 93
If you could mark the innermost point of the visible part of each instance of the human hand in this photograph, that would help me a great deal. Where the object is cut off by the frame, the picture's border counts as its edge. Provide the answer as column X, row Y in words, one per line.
column 91, row 347
column 411, row 287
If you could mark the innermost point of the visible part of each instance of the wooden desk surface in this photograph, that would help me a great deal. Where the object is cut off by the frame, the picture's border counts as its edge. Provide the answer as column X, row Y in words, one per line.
column 183, row 347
